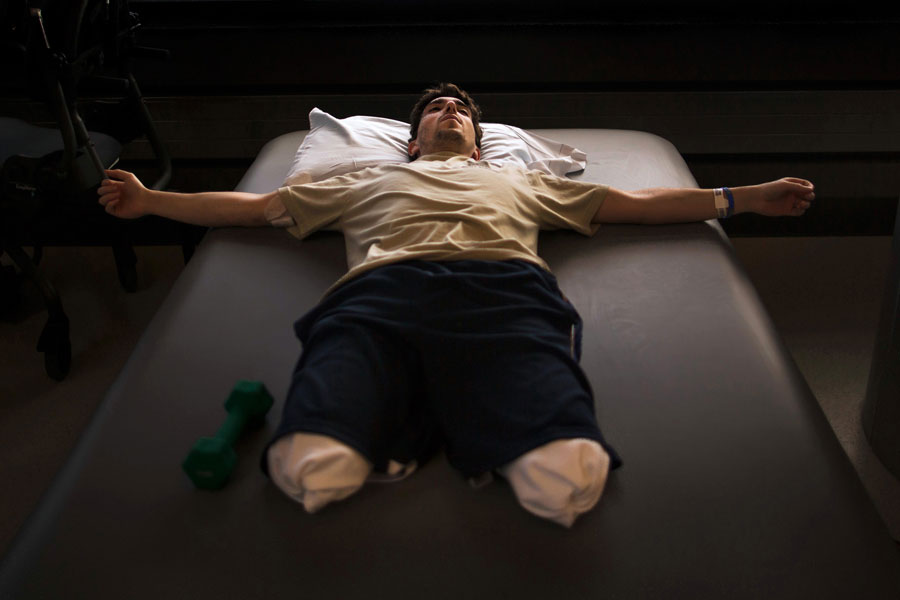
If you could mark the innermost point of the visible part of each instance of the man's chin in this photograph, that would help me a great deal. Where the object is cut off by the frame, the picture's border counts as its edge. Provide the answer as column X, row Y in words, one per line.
column 450, row 140
column 449, row 136
column 447, row 140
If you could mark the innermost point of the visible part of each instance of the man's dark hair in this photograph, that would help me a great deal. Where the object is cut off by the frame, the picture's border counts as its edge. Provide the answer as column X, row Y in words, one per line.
column 451, row 91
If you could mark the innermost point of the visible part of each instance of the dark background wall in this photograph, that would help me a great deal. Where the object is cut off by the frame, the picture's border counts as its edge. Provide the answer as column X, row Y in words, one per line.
column 747, row 92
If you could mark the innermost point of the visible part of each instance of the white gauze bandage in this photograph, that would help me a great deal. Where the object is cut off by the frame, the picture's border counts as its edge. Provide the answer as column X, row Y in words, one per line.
column 561, row 480
column 316, row 469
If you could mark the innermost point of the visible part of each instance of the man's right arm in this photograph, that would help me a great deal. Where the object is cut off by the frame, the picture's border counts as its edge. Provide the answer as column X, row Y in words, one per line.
column 124, row 196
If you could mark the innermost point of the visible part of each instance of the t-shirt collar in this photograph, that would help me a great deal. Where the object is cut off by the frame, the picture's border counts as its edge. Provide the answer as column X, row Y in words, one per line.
column 445, row 155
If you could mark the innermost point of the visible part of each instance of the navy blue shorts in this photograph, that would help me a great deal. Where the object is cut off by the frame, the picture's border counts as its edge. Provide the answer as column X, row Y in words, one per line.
column 477, row 357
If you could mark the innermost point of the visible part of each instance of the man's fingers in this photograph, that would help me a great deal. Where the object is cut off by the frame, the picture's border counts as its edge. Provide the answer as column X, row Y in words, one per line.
column 800, row 187
column 800, row 184
column 799, row 208
column 118, row 173
column 120, row 177
column 807, row 193
column 107, row 198
column 797, row 180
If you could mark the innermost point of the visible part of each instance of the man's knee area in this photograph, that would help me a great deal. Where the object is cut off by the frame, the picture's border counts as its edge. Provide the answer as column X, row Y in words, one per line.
column 316, row 469
column 559, row 480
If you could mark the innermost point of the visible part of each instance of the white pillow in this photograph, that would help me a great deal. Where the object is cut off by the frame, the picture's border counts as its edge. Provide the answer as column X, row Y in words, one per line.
column 338, row 146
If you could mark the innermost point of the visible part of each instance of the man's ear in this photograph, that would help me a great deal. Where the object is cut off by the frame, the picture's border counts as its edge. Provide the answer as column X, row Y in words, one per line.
column 477, row 154
column 413, row 149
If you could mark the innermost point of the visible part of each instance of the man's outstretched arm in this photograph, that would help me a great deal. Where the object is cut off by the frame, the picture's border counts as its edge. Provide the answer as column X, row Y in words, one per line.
column 124, row 196
column 785, row 197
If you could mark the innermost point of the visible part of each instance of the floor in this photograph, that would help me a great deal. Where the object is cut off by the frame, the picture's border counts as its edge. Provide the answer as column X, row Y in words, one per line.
column 823, row 294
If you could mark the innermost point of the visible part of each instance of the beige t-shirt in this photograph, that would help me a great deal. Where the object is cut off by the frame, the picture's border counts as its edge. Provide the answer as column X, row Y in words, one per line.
column 440, row 207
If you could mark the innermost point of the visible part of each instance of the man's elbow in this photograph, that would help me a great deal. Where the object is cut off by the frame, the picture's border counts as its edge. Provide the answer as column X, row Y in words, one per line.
column 621, row 207
column 260, row 208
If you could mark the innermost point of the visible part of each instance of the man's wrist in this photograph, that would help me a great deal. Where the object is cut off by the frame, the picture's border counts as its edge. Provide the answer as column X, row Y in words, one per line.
column 724, row 201
column 147, row 200
column 744, row 199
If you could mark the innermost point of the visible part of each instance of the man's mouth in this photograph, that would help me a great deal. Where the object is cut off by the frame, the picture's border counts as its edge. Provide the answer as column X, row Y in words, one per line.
column 454, row 117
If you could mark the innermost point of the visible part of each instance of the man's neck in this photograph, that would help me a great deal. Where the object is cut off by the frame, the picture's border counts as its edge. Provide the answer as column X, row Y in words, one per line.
column 442, row 155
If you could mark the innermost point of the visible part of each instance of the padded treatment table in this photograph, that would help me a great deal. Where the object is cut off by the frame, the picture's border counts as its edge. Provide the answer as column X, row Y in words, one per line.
column 734, row 485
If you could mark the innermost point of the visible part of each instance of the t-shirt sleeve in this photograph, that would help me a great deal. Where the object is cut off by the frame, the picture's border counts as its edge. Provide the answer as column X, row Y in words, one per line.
column 319, row 205
column 563, row 203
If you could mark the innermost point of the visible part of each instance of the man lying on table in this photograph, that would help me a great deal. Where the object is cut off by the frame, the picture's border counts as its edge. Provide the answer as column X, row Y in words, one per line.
column 448, row 330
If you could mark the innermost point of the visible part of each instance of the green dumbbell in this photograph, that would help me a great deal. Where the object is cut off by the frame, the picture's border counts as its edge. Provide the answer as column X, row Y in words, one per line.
column 211, row 460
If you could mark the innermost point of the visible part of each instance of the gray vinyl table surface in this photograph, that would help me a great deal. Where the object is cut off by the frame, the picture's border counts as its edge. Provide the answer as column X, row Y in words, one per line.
column 734, row 485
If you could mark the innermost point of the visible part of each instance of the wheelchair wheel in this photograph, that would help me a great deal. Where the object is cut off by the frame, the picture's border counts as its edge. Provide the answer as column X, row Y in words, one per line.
column 9, row 292
column 56, row 346
column 126, row 260
column 58, row 359
column 128, row 278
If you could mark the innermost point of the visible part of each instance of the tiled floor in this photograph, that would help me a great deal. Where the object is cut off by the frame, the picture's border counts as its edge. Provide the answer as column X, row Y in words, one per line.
column 823, row 294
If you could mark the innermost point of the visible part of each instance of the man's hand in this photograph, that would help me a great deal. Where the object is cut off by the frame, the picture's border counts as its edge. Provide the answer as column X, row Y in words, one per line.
column 123, row 195
column 787, row 197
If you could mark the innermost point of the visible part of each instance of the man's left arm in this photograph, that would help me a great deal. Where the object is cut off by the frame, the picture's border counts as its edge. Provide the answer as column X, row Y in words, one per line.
column 786, row 197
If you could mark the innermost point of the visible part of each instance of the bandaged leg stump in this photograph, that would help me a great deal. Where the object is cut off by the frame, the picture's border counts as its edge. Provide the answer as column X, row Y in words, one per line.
column 316, row 470
column 561, row 480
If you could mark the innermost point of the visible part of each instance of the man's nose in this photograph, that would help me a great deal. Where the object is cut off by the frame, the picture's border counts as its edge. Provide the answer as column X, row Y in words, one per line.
column 450, row 107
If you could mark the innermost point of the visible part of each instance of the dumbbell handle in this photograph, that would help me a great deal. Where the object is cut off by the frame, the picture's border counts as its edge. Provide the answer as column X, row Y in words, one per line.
column 234, row 425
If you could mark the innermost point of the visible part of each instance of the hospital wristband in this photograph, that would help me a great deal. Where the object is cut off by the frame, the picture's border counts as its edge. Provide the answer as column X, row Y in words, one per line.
column 724, row 200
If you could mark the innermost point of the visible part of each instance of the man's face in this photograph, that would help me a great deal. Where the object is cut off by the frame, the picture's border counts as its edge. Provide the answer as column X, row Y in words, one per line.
column 446, row 125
